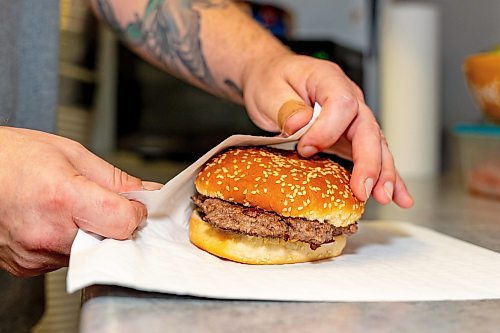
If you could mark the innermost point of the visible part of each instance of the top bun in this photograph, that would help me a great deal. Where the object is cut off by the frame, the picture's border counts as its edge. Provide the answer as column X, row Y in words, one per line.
column 283, row 182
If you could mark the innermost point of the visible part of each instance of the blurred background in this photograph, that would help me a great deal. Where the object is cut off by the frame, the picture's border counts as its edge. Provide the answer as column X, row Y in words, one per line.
column 408, row 56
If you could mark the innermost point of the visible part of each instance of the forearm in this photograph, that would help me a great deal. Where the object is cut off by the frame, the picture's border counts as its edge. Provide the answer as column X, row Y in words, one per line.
column 210, row 43
column 217, row 47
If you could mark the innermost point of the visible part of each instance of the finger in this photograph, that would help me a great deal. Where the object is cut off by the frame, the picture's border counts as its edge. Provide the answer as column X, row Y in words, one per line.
column 342, row 148
column 104, row 212
column 339, row 108
column 402, row 197
column 151, row 186
column 367, row 154
column 293, row 115
column 102, row 172
column 384, row 188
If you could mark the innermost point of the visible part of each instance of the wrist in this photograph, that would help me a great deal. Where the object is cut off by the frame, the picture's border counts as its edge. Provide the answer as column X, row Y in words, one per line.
column 263, row 59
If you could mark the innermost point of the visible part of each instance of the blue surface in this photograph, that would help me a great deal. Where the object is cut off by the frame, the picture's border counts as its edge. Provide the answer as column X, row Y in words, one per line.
column 477, row 129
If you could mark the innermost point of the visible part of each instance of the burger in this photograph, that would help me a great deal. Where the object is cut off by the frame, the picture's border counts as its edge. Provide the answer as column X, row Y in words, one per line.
column 261, row 205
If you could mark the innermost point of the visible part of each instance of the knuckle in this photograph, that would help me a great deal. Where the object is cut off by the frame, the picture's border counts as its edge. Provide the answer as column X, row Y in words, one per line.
column 357, row 89
column 372, row 171
column 76, row 147
column 26, row 265
column 373, row 126
column 359, row 93
column 350, row 104
column 323, row 144
column 335, row 67
column 383, row 139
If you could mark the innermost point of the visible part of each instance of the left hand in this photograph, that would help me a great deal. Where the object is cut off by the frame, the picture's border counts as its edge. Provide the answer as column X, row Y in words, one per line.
column 279, row 95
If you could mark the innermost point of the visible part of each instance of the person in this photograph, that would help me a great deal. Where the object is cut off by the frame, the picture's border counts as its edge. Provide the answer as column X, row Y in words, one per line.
column 51, row 186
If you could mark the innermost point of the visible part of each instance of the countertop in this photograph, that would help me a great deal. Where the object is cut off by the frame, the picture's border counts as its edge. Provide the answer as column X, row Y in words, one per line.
column 441, row 204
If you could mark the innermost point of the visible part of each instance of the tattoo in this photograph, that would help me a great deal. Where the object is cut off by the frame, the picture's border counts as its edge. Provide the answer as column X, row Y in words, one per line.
column 105, row 10
column 233, row 87
column 170, row 31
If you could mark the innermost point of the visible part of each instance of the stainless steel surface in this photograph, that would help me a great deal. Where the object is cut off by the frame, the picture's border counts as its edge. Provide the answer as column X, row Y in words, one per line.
column 440, row 205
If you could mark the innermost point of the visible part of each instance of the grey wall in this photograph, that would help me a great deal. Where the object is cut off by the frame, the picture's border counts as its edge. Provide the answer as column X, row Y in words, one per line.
column 29, row 63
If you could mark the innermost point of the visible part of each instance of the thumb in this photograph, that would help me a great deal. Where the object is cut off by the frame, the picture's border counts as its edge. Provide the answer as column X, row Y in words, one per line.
column 98, row 207
column 104, row 212
column 293, row 115
column 103, row 173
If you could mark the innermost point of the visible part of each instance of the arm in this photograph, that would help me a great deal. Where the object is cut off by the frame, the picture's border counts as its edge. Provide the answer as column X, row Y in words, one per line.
column 215, row 46
column 194, row 40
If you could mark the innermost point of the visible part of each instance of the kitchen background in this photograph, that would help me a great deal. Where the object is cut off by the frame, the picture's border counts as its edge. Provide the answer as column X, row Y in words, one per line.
column 149, row 124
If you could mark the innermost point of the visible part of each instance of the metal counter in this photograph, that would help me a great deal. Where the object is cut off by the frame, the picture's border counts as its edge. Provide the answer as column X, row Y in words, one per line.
column 441, row 204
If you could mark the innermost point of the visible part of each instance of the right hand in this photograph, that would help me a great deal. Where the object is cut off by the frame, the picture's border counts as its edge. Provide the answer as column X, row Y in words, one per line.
column 279, row 93
column 51, row 186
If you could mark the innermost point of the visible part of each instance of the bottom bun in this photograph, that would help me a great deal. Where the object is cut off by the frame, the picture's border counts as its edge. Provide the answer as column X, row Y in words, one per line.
column 257, row 250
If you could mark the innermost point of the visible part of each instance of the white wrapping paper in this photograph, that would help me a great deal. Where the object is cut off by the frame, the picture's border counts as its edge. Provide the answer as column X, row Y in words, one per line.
column 385, row 261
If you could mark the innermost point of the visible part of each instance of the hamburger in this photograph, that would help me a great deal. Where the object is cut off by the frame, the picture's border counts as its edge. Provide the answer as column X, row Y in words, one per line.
column 262, row 205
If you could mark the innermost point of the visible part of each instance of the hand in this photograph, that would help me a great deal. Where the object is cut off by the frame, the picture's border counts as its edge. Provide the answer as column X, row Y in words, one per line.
column 51, row 186
column 279, row 95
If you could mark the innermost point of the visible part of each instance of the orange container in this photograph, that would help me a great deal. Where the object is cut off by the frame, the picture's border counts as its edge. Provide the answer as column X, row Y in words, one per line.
column 482, row 72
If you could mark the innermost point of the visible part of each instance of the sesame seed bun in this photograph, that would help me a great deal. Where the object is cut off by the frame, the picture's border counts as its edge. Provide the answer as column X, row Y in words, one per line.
column 257, row 250
column 282, row 182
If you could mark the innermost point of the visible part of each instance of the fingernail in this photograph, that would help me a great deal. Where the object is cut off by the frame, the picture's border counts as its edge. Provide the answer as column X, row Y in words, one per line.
column 389, row 189
column 283, row 127
column 368, row 187
column 308, row 151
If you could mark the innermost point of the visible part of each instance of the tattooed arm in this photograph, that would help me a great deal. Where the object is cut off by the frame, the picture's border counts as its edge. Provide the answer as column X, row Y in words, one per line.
column 193, row 40
column 215, row 46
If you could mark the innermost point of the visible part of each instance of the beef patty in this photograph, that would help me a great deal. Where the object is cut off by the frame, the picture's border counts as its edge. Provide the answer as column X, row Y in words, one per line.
column 258, row 222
